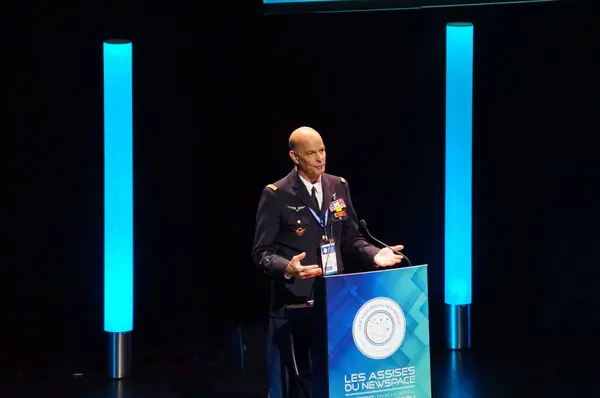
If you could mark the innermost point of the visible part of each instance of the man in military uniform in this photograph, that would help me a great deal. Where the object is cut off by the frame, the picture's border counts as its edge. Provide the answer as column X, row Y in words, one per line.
column 305, row 225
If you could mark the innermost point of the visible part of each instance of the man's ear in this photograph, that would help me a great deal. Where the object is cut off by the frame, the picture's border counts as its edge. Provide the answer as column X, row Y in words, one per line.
column 294, row 157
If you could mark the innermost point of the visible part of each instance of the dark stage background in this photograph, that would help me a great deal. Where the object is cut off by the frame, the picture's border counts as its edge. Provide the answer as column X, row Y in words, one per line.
column 215, row 100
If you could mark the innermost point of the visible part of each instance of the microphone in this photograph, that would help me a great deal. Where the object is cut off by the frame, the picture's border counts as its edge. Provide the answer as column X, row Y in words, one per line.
column 363, row 224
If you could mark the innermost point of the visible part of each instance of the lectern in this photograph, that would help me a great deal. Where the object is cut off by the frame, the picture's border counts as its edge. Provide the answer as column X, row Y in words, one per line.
column 375, row 335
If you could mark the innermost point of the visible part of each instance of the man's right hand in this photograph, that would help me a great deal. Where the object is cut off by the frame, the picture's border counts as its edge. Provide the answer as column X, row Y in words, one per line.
column 296, row 270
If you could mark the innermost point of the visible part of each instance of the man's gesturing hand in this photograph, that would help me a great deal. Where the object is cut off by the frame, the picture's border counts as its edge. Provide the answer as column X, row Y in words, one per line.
column 295, row 269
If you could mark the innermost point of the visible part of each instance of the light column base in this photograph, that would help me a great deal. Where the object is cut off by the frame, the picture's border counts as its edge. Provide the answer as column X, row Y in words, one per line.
column 119, row 355
column 458, row 326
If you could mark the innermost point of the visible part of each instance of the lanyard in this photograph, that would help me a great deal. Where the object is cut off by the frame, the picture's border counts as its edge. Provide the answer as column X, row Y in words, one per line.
column 322, row 223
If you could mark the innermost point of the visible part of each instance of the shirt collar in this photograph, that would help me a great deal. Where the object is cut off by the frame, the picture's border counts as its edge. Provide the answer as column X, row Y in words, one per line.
column 309, row 184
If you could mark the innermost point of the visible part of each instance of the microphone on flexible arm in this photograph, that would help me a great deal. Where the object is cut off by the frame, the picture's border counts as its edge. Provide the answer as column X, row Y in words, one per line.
column 363, row 224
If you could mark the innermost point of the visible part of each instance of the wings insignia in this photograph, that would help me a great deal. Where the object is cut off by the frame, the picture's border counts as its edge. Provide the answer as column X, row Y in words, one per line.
column 296, row 208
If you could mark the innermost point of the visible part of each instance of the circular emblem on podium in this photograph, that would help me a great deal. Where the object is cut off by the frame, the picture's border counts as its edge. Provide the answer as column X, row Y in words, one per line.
column 379, row 328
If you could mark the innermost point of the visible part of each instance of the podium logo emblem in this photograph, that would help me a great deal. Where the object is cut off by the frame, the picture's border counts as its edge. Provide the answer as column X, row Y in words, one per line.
column 379, row 328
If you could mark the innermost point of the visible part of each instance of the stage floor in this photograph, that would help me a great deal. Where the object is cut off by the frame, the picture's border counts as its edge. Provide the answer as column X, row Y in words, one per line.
column 506, row 373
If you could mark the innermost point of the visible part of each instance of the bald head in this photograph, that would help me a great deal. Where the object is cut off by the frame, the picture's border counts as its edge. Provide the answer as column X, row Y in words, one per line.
column 307, row 151
column 301, row 135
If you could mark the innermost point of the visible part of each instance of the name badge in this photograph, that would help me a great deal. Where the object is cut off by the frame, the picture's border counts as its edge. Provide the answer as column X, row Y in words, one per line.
column 328, row 258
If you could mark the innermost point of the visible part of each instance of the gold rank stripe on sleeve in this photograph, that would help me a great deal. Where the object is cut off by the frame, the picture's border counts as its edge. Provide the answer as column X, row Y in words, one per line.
column 272, row 187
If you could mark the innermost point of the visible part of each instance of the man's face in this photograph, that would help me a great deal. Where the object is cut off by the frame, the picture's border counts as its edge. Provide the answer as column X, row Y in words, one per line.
column 310, row 157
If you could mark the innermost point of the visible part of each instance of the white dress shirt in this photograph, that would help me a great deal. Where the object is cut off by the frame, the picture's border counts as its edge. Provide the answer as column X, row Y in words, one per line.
column 319, row 189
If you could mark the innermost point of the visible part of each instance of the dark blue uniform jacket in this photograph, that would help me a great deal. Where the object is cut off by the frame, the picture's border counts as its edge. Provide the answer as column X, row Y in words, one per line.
column 285, row 227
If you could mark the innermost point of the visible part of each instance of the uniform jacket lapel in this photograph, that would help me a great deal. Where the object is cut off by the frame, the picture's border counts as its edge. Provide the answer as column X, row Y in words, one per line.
column 299, row 189
column 328, row 190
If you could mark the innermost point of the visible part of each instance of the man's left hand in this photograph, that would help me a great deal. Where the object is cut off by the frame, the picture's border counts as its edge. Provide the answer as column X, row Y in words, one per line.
column 386, row 256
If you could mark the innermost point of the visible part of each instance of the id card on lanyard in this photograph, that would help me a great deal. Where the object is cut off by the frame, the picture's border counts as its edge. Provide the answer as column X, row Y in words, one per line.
column 327, row 247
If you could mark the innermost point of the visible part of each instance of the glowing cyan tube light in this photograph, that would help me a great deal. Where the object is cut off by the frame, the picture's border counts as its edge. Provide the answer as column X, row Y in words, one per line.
column 118, row 187
column 458, row 218
column 118, row 204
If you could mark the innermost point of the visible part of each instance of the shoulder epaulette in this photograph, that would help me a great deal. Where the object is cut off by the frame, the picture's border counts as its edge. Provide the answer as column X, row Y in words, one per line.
column 272, row 186
column 343, row 180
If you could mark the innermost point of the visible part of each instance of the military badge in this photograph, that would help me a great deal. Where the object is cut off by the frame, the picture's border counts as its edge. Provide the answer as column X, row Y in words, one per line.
column 338, row 208
column 296, row 208
column 337, row 205
column 300, row 231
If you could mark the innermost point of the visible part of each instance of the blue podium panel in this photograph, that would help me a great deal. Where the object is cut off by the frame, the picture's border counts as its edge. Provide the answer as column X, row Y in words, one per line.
column 378, row 334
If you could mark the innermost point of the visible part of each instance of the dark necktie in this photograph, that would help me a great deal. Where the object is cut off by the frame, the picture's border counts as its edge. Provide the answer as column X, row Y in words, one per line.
column 314, row 198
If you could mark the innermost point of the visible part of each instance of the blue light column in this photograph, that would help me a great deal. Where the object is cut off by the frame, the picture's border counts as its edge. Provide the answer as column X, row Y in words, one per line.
column 459, row 104
column 118, row 204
